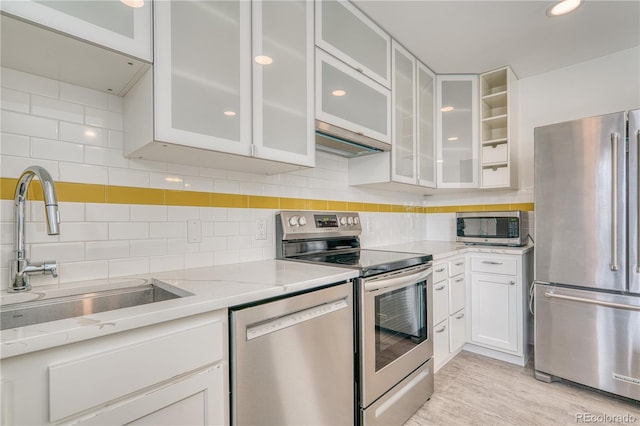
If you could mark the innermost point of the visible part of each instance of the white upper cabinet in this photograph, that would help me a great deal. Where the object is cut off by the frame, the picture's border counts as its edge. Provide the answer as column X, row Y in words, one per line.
column 111, row 24
column 499, row 103
column 457, row 130
column 203, row 74
column 426, row 129
column 347, row 99
column 210, row 95
column 403, row 90
column 349, row 35
column 283, row 73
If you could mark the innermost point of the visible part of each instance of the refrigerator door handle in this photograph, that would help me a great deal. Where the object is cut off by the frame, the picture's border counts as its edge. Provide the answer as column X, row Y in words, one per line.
column 614, row 202
column 638, row 201
column 552, row 295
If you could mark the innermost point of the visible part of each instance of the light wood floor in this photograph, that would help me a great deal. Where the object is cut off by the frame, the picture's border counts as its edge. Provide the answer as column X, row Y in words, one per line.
column 476, row 390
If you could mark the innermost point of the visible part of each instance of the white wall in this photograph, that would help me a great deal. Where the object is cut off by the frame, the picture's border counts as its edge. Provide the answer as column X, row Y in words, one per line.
column 600, row 86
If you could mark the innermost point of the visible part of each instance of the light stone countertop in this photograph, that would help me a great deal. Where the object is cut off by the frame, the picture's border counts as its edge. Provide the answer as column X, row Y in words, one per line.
column 442, row 249
column 214, row 288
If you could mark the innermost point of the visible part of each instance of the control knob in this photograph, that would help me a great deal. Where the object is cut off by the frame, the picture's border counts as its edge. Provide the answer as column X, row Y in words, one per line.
column 302, row 221
column 293, row 221
column 343, row 221
column 350, row 220
column 356, row 220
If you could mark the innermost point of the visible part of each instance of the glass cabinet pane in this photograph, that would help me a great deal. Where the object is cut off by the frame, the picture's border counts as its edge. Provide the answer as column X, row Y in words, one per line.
column 112, row 15
column 404, row 114
column 458, row 156
column 426, row 127
column 283, row 79
column 202, row 70
column 350, row 100
column 349, row 35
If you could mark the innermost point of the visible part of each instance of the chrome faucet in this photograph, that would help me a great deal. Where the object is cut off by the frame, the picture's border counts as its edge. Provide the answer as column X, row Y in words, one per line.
column 20, row 266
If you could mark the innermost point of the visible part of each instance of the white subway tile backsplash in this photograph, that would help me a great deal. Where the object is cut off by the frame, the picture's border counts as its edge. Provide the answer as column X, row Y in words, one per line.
column 123, row 267
column 116, row 139
column 69, row 212
column 128, row 230
column 14, row 100
column 84, row 231
column 198, row 184
column 213, row 244
column 60, row 252
column 226, row 228
column 105, row 157
column 83, row 95
column 29, row 83
column 166, row 263
column 106, row 250
column 7, row 252
column 175, row 213
column 106, row 212
column 226, row 186
column 250, row 254
column 28, row 125
column 226, row 257
column 167, row 229
column 16, row 145
column 83, row 134
column 214, row 213
column 56, row 109
column 82, row 271
column 55, row 150
column 85, row 173
column 198, row 260
column 144, row 213
column 14, row 166
column 166, row 181
column 102, row 118
column 36, row 232
column 116, row 104
column 7, row 232
column 239, row 242
column 127, row 177
column 147, row 248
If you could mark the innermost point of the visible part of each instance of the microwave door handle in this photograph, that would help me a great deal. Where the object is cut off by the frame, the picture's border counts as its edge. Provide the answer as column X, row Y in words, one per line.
column 401, row 281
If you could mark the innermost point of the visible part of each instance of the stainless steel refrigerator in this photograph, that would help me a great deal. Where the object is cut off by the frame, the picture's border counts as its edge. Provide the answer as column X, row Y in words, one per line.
column 587, row 289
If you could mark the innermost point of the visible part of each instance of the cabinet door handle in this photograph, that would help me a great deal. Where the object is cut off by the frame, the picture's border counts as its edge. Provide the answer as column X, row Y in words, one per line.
column 360, row 70
column 459, row 264
column 614, row 202
column 459, row 280
column 444, row 327
column 512, row 283
column 440, row 270
column 491, row 262
column 439, row 288
column 460, row 316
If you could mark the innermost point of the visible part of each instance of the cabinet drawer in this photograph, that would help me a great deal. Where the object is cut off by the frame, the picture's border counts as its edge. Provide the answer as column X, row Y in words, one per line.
column 440, row 272
column 456, row 267
column 457, row 293
column 440, row 302
column 113, row 374
column 441, row 343
column 495, row 176
column 493, row 265
column 494, row 153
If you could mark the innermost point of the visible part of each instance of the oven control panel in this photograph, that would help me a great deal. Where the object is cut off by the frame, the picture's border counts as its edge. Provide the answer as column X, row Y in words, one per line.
column 320, row 223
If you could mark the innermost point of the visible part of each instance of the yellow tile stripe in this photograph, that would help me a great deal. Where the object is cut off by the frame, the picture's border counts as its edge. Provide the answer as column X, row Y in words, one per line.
column 92, row 193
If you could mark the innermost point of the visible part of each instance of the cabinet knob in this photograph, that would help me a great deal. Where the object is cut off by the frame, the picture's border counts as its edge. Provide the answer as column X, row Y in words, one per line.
column 439, row 288
column 460, row 316
column 512, row 283
column 444, row 327
column 440, row 270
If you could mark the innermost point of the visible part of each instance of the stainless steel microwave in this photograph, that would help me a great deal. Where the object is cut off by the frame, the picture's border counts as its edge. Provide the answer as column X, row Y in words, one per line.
column 508, row 228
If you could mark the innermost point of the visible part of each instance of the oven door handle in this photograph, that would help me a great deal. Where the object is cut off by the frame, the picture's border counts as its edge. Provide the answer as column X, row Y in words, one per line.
column 401, row 281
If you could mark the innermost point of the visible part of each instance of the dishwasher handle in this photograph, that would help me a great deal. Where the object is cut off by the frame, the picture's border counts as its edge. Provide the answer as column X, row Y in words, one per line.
column 276, row 324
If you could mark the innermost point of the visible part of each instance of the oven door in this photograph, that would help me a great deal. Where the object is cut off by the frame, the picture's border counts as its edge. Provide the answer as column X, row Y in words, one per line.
column 395, row 329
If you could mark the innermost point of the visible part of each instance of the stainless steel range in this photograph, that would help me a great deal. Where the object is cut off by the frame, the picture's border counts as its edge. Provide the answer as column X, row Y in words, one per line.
column 393, row 319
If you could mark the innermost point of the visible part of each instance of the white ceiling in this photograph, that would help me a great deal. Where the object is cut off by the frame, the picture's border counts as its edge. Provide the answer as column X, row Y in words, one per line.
column 477, row 36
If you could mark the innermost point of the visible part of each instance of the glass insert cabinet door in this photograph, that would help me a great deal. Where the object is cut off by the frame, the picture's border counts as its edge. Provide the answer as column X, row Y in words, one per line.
column 400, row 322
column 457, row 129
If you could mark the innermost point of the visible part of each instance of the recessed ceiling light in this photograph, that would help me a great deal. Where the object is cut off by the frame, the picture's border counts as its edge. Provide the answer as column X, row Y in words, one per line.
column 133, row 3
column 338, row 93
column 263, row 60
column 446, row 109
column 229, row 113
column 452, row 138
column 563, row 7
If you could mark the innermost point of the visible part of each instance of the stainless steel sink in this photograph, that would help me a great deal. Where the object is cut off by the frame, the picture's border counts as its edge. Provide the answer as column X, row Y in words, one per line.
column 38, row 311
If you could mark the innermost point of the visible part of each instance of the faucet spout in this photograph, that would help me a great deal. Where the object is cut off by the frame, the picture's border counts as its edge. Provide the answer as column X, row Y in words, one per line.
column 20, row 266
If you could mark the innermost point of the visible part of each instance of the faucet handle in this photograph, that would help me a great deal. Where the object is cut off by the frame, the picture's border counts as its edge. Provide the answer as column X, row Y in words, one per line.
column 50, row 267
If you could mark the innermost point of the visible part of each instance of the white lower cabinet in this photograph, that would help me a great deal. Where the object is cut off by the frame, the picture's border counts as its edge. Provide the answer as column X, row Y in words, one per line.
column 449, row 299
column 169, row 373
column 499, row 317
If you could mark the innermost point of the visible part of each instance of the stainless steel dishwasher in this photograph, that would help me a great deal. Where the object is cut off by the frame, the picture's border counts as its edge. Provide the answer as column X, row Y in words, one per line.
column 292, row 360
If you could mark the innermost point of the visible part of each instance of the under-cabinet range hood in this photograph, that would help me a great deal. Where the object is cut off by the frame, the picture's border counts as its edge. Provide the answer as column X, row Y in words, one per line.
column 346, row 143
